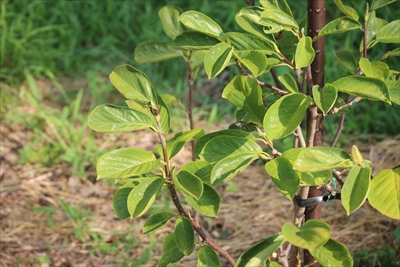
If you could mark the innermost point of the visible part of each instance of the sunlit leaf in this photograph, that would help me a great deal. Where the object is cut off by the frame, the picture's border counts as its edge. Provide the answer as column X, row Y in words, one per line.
column 311, row 235
column 200, row 22
column 374, row 25
column 126, row 162
column 255, row 61
column 169, row 16
column 193, row 40
column 207, row 257
column 120, row 199
column 259, row 253
column 217, row 59
column 380, row 3
column 333, row 253
column 280, row 18
column 248, row 19
column 248, row 42
column 355, row 188
column 325, row 98
column 200, row 169
column 375, row 69
column 339, row 25
column 284, row 177
column 389, row 33
column 384, row 193
column 284, row 115
column 349, row 11
column 175, row 143
column 277, row 4
column 289, row 82
column 304, row 52
column 208, row 204
column 153, row 51
column 188, row 183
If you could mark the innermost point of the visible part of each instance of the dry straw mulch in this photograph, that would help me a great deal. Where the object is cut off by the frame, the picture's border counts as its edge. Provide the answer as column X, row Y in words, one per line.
column 255, row 211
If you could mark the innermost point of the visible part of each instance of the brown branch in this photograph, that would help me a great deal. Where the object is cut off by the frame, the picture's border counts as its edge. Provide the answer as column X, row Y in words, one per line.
column 355, row 100
column 365, row 39
column 339, row 131
column 190, row 100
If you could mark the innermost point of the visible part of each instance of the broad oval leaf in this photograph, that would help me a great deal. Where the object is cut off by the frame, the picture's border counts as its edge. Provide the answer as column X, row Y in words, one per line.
column 208, row 204
column 284, row 115
column 365, row 87
column 375, row 69
column 172, row 256
column 393, row 84
column 245, row 93
column 200, row 22
column 229, row 167
column 157, row 220
column 333, row 253
column 153, row 51
column 133, row 84
column 380, row 3
column 346, row 58
column 356, row 188
column 304, row 52
column 204, row 139
column 115, row 119
column 374, row 25
column 349, row 11
column 188, row 183
column 289, row 82
column 248, row 42
column 255, row 61
column 339, row 25
column 176, row 142
column 389, row 33
column 325, row 98
column 284, row 177
column 169, row 243
column 280, row 18
column 248, row 19
column 200, row 169
column 126, row 162
column 184, row 235
column 169, row 16
column 221, row 147
column 193, row 40
column 314, row 159
column 259, row 253
column 311, row 235
column 384, row 194
column 143, row 195
column 120, row 199
column 217, row 59
column 207, row 257
column 277, row 4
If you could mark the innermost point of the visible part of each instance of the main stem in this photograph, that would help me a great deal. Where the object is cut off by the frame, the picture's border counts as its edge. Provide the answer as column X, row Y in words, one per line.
column 316, row 20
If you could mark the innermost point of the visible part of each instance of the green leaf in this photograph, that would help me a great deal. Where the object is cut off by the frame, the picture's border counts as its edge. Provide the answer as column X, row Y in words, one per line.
column 289, row 82
column 208, row 204
column 176, row 142
column 126, row 162
column 255, row 61
column 153, row 51
column 217, row 59
column 169, row 243
column 394, row 53
column 384, row 194
column 169, row 16
column 284, row 177
column 339, row 25
column 304, row 52
column 120, row 199
column 277, row 17
column 184, row 235
column 341, row 102
column 172, row 256
column 188, row 183
column 284, row 115
column 248, row 19
column 229, row 167
column 389, row 33
column 200, row 169
column 115, row 119
column 157, row 220
column 374, row 25
column 365, row 87
column 143, row 195
column 260, row 252
column 248, row 42
column 197, row 60
column 325, row 98
column 311, row 235
column 165, row 117
column 355, row 188
column 193, row 40
column 277, row 4
column 347, row 10
column 375, row 69
column 205, row 138
column 221, row 147
column 200, row 22
column 314, row 159
column 393, row 84
column 380, row 3
column 308, row 178
column 346, row 58
column 207, row 257
column 133, row 84
column 333, row 253
column 246, row 94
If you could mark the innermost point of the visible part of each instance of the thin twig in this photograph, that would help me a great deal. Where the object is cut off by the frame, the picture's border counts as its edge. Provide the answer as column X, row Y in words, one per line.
column 355, row 100
column 339, row 131
column 190, row 100
column 299, row 135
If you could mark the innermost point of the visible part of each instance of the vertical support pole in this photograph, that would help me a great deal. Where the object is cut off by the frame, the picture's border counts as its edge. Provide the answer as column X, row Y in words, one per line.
column 316, row 20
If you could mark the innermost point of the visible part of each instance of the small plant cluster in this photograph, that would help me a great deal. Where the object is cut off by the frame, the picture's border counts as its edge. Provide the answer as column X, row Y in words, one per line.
column 300, row 104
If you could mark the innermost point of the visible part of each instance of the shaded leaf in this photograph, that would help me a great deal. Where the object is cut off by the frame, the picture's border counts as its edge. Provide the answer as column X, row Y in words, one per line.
column 346, row 58
column 154, row 51
column 248, row 42
column 157, row 220
column 255, row 61
column 260, row 252
column 184, row 235
column 355, row 188
column 333, row 253
column 188, row 183
column 208, row 204
column 207, row 257
column 193, row 40
column 289, row 82
column 274, row 17
column 200, row 169
column 347, row 10
column 172, row 256
column 217, row 59
column 311, row 235
column 365, row 87
column 304, row 52
column 283, row 176
column 120, row 200
column 284, row 115
column 384, row 194
column 126, row 162
column 248, row 19
column 393, row 84
column 176, row 142
column 169, row 16
column 380, row 3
